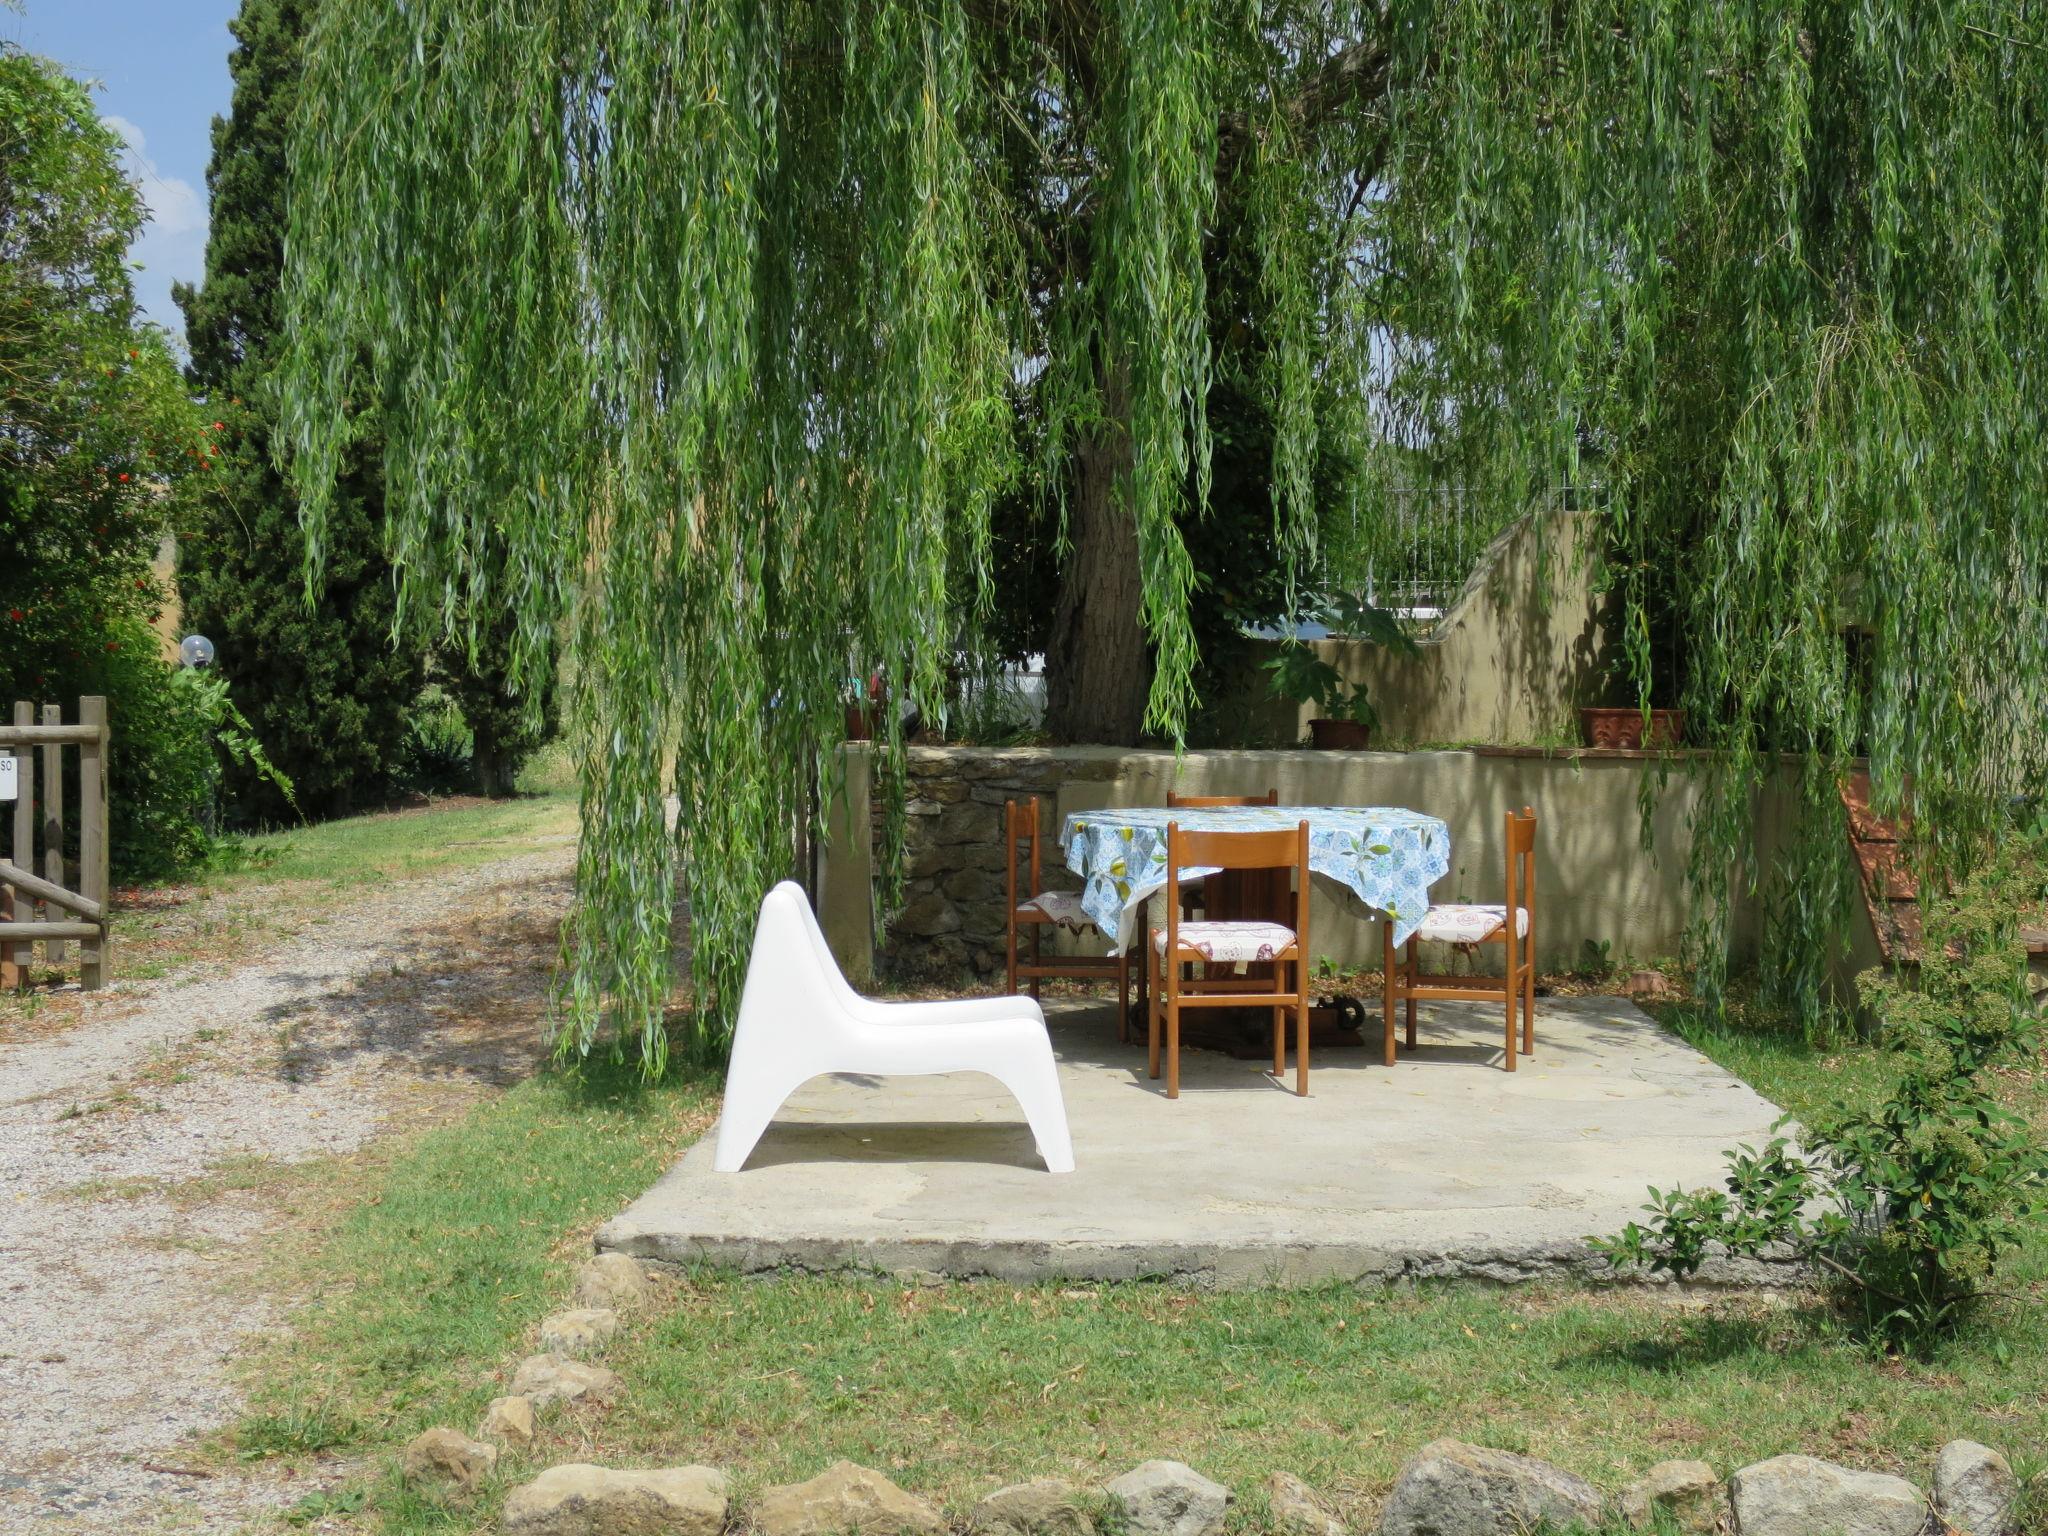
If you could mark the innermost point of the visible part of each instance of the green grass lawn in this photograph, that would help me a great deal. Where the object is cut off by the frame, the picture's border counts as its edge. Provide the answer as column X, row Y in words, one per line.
column 427, row 1292
column 408, row 842
column 399, row 844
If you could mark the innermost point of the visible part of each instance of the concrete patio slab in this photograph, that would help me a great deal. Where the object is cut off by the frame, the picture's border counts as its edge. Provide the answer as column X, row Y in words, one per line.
column 1443, row 1165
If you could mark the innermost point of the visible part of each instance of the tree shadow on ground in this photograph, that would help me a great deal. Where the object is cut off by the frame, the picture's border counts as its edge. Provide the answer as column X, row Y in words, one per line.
column 1703, row 1341
column 465, row 1000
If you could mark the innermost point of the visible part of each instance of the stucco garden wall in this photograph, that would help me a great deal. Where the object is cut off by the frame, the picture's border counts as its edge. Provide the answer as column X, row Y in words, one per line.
column 1596, row 882
column 1514, row 657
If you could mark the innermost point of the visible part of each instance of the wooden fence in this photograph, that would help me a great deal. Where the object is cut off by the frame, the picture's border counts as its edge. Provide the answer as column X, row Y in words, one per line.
column 68, row 900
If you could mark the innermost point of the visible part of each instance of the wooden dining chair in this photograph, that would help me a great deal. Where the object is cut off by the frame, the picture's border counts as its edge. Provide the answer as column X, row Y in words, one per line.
column 1041, row 909
column 1172, row 950
column 1512, row 924
column 1195, row 898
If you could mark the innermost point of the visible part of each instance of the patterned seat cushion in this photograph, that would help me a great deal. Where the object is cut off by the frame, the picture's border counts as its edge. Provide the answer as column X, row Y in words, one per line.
column 1236, row 943
column 1470, row 924
column 1062, row 907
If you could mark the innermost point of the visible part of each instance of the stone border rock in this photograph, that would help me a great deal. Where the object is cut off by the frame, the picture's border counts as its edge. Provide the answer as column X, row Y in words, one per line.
column 1447, row 1488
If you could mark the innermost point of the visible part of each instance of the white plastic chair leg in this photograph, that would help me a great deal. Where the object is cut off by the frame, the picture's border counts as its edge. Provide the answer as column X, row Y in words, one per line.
column 750, row 1105
column 1036, row 1087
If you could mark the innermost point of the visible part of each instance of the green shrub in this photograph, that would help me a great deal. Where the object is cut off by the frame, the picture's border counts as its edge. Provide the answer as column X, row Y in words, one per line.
column 173, row 731
column 436, row 757
column 504, row 725
column 1909, row 1204
column 161, row 770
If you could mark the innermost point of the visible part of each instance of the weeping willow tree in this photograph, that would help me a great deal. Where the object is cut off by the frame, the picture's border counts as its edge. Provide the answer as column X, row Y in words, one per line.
column 706, row 330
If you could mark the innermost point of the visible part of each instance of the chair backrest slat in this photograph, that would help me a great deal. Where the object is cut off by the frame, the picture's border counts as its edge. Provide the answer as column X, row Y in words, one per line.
column 1176, row 802
column 1265, row 849
column 1020, row 825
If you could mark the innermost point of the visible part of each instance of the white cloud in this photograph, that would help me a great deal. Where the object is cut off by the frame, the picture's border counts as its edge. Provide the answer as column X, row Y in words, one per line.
column 172, row 245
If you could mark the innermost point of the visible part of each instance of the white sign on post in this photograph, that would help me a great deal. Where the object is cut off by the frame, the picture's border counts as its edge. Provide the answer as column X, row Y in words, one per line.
column 9, row 783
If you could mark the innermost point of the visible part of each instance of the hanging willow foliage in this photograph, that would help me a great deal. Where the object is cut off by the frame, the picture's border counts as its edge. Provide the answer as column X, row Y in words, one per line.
column 721, row 314
column 1780, row 273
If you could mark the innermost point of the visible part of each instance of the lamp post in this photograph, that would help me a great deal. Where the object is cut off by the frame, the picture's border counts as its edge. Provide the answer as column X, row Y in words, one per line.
column 195, row 654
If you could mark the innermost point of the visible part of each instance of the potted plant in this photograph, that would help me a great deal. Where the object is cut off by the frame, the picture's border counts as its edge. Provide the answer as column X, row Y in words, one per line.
column 1623, row 730
column 1347, row 717
column 863, row 707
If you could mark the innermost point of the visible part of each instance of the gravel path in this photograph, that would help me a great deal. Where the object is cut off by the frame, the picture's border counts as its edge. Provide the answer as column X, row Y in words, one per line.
column 132, row 1154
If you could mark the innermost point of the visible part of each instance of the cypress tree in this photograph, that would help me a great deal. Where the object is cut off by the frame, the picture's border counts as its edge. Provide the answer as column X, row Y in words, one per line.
column 322, row 682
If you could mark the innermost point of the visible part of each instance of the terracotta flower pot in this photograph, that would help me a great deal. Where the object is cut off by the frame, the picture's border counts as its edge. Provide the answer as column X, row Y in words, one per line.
column 1622, row 729
column 864, row 716
column 1339, row 735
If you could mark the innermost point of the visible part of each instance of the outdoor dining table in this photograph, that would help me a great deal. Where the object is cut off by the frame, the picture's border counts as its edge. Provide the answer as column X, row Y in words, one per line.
column 1385, row 856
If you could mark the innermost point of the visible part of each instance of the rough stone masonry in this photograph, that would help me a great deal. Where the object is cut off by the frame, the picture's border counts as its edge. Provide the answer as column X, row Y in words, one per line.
column 951, row 920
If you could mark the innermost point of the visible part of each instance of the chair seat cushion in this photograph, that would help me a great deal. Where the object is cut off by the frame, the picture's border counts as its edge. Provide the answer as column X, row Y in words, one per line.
column 1470, row 924
column 1062, row 907
column 1238, row 943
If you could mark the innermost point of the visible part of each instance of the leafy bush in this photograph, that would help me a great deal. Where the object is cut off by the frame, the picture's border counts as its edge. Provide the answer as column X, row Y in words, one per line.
column 161, row 770
column 438, row 745
column 173, row 731
column 504, row 725
column 1909, row 1204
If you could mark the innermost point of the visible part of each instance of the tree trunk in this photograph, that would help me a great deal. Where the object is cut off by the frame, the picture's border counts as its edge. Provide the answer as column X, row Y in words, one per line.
column 1098, row 668
column 484, row 769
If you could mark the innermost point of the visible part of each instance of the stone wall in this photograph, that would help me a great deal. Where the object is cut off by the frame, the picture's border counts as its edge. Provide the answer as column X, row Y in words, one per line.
column 951, row 920
column 1596, row 882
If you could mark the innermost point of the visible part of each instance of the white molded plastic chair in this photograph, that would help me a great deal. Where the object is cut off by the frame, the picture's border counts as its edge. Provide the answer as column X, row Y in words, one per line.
column 799, row 1020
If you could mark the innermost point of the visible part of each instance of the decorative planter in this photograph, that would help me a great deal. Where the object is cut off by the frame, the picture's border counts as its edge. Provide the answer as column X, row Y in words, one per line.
column 1623, row 728
column 1339, row 735
column 863, row 716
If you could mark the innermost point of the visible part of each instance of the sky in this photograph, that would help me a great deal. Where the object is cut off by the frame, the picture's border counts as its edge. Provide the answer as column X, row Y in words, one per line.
column 162, row 73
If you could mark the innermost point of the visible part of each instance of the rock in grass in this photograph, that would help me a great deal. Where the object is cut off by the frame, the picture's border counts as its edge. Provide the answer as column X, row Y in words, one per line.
column 614, row 1280
column 1166, row 1498
column 1805, row 1496
column 1974, row 1489
column 583, row 1500
column 1296, row 1509
column 1649, row 987
column 445, row 1456
column 545, row 1379
column 1687, row 1491
column 579, row 1332
column 1449, row 1488
column 842, row 1499
column 1047, row 1506
column 508, row 1420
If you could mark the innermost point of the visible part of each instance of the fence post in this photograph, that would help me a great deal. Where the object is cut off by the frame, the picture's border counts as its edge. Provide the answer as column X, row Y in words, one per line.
column 95, row 955
column 10, row 976
column 24, row 846
column 53, row 826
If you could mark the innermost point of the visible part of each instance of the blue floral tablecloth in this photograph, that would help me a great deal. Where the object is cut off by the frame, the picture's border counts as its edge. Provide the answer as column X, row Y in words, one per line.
column 1387, row 857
